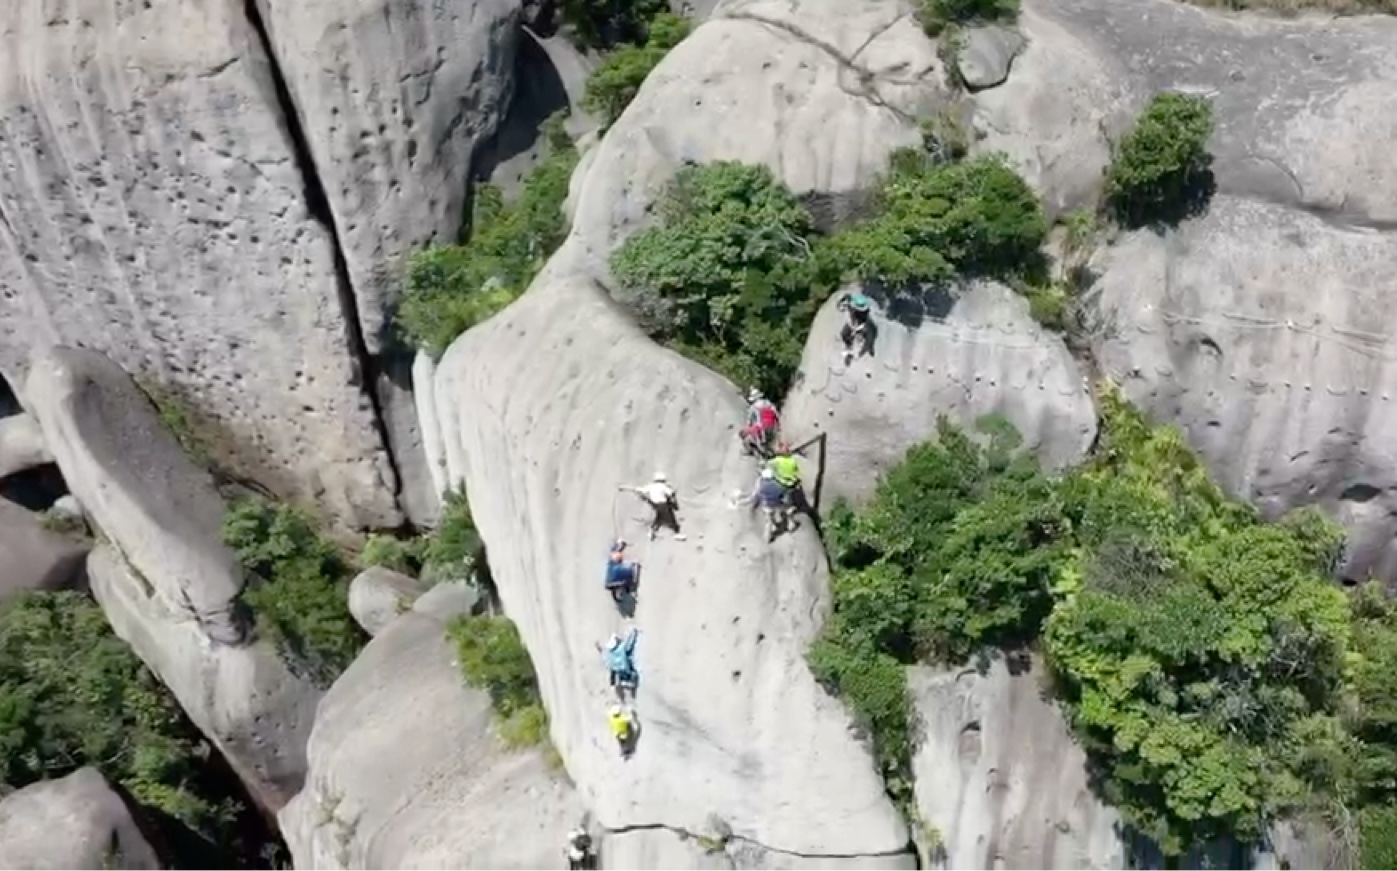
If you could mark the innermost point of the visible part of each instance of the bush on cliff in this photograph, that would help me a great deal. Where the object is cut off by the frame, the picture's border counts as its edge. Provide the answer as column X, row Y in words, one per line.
column 617, row 79
column 936, row 16
column 451, row 288
column 298, row 587
column 603, row 24
column 1161, row 169
column 493, row 658
column 1205, row 661
column 73, row 694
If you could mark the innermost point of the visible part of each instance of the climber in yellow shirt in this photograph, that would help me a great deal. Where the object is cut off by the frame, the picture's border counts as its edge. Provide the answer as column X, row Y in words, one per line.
column 622, row 729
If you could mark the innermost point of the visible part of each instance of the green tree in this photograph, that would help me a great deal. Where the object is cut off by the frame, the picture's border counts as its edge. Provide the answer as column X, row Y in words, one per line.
column 299, row 587
column 975, row 216
column 493, row 658
column 617, row 79
column 936, row 15
column 728, row 275
column 1161, row 169
column 451, row 288
column 604, row 24
column 73, row 694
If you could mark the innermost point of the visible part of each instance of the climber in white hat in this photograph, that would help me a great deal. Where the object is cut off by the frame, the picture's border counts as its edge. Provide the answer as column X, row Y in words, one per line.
column 663, row 501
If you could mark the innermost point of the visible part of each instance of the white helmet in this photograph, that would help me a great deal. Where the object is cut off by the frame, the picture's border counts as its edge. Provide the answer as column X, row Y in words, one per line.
column 660, row 477
column 753, row 395
column 616, row 711
column 578, row 834
column 613, row 642
column 767, row 473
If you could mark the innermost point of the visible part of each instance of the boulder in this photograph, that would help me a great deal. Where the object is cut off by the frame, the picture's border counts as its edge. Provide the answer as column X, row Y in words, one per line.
column 961, row 353
column 1000, row 782
column 1305, row 108
column 170, row 585
column 378, row 595
column 257, row 713
column 77, row 821
column 21, row 445
column 35, row 558
column 156, row 210
column 985, row 55
column 1262, row 331
column 394, row 96
column 406, row 771
column 821, row 91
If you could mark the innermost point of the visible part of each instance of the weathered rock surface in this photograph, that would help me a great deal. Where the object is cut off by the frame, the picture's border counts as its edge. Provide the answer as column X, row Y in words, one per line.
column 76, row 821
column 1000, row 778
column 593, row 404
column 32, row 557
column 1264, row 332
column 821, row 90
column 154, row 210
column 175, row 604
column 963, row 354
column 986, row 54
column 21, row 445
column 726, row 701
column 1305, row 108
column 394, row 98
column 407, row 773
column 377, row 596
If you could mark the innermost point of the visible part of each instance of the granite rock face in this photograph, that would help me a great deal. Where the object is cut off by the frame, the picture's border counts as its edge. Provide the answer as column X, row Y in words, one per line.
column 153, row 206
column 77, row 821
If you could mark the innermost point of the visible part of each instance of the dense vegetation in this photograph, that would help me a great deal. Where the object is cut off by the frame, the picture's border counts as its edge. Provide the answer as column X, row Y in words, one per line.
column 936, row 16
column 1160, row 169
column 617, row 79
column 449, row 552
column 604, row 24
column 493, row 658
column 73, row 694
column 451, row 288
column 735, row 271
column 1205, row 660
column 299, row 587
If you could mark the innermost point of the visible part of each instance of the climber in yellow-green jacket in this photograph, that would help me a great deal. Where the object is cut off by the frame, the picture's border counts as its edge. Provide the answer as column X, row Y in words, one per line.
column 784, row 467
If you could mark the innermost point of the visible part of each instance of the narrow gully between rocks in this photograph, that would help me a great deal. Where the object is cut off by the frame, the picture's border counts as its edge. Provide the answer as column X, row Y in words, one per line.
column 368, row 370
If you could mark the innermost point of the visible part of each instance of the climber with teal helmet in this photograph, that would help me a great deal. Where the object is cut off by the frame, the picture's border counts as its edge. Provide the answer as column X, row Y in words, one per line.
column 620, row 660
column 856, row 328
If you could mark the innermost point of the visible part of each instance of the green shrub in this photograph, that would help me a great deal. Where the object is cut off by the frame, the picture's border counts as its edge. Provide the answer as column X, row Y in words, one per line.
column 975, row 217
column 728, row 274
column 454, row 547
column 73, row 694
column 493, row 658
column 936, row 15
column 1160, row 169
column 607, row 23
column 617, row 79
column 451, row 288
column 393, row 553
column 299, row 589
column 1377, row 840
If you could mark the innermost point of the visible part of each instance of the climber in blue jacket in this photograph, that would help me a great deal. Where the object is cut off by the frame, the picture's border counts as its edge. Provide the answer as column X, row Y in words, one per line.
column 620, row 659
column 620, row 574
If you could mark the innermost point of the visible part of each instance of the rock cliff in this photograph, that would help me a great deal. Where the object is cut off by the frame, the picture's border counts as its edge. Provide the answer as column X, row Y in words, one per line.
column 153, row 206
column 962, row 353
column 165, row 580
column 407, row 773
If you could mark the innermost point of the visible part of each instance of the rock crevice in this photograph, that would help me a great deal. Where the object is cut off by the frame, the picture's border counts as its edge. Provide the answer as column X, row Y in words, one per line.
column 366, row 372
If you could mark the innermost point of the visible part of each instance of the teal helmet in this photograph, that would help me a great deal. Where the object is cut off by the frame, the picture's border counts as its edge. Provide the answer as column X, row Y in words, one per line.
column 860, row 303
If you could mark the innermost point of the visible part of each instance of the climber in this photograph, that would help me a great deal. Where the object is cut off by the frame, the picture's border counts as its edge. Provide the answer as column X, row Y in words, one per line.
column 785, row 467
column 620, row 660
column 856, row 327
column 621, row 576
column 763, row 420
column 622, row 729
column 663, row 501
column 579, row 849
column 774, row 500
